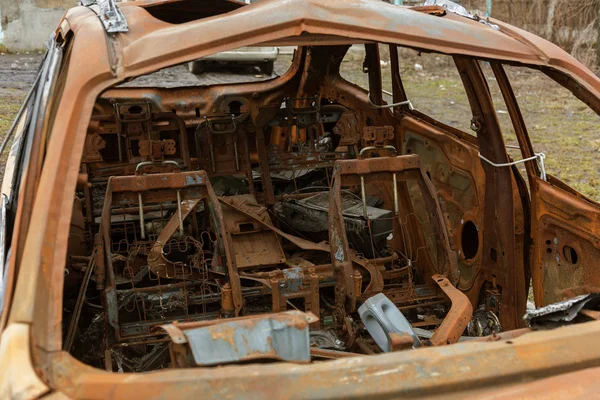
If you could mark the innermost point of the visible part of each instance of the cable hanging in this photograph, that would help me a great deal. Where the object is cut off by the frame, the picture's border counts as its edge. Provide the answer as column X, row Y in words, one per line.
column 537, row 156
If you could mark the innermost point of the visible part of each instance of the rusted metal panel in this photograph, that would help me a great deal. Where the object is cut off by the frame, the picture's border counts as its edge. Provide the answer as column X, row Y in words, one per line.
column 567, row 244
column 281, row 336
column 245, row 234
column 564, row 225
column 451, row 33
column 457, row 371
column 340, row 18
column 581, row 384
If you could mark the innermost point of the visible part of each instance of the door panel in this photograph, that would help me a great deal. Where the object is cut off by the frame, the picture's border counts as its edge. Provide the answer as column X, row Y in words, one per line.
column 566, row 230
column 456, row 171
column 565, row 226
column 450, row 162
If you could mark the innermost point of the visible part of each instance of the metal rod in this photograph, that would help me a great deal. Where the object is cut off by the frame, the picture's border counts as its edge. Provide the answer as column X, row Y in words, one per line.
column 401, row 103
column 120, row 147
column 142, row 224
column 235, row 150
column 248, row 166
column 363, row 195
column 395, row 183
column 212, row 158
column 331, row 354
column 179, row 212
column 78, row 305
column 136, row 210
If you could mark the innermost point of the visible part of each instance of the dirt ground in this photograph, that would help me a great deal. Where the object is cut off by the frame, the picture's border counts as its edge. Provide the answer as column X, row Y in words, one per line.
column 559, row 125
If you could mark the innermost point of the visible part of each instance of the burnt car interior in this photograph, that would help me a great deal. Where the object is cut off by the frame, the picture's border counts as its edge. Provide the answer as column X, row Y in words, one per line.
column 299, row 219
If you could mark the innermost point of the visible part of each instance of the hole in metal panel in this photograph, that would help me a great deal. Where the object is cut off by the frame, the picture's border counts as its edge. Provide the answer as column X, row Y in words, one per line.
column 570, row 254
column 469, row 240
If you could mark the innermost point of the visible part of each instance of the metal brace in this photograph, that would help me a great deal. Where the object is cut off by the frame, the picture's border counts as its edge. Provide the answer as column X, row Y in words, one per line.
column 109, row 13
column 393, row 105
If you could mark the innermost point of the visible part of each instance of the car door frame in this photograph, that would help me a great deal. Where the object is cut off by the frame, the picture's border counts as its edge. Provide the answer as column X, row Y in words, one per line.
column 558, row 212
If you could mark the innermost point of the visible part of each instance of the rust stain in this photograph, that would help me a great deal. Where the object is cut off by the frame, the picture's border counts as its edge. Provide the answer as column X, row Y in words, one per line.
column 226, row 333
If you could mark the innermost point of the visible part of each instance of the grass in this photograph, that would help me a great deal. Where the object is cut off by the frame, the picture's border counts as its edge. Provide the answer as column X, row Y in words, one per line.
column 559, row 124
column 8, row 111
column 9, row 106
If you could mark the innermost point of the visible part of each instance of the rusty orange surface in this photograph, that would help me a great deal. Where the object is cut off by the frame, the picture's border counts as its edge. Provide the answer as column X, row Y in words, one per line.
column 519, row 364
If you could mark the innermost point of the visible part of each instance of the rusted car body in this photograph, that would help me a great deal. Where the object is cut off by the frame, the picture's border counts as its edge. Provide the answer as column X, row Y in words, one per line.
column 125, row 252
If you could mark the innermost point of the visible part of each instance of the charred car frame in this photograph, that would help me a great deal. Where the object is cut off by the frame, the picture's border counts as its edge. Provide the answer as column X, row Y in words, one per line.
column 301, row 233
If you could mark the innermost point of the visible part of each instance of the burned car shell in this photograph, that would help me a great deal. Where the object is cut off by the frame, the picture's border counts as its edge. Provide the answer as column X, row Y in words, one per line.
column 31, row 355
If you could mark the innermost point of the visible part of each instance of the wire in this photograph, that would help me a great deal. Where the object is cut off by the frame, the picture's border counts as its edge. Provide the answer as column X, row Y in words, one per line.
column 540, row 157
